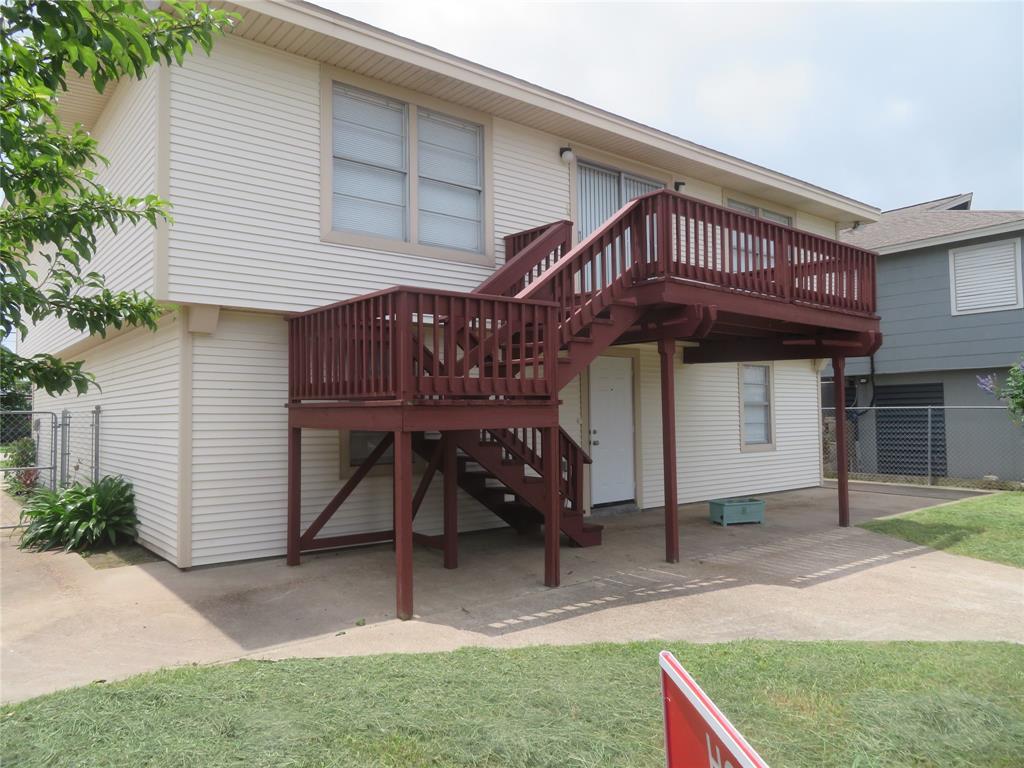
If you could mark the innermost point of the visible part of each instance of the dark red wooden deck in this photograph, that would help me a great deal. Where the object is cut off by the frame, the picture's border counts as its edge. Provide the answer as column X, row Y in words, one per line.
column 470, row 381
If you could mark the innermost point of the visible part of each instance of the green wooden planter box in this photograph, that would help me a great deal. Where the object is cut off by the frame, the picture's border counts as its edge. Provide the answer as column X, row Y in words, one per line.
column 731, row 511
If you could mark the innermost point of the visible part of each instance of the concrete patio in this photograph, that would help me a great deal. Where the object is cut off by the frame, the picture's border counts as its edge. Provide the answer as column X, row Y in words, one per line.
column 796, row 577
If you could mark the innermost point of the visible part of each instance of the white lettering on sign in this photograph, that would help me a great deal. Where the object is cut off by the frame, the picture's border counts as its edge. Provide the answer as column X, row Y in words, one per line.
column 715, row 757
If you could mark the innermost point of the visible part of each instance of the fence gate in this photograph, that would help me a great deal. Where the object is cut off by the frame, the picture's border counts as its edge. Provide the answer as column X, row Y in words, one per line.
column 48, row 448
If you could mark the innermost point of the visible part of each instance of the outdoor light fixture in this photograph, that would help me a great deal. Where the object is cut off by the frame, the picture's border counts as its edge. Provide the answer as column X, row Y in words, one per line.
column 567, row 154
column 679, row 185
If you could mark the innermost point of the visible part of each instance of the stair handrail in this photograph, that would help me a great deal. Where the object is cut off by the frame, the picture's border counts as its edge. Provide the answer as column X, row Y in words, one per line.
column 570, row 485
column 545, row 245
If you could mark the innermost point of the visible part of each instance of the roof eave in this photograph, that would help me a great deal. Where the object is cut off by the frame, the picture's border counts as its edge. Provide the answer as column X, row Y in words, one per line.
column 954, row 237
column 306, row 14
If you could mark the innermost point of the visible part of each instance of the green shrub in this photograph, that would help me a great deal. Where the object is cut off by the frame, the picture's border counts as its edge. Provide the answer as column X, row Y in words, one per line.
column 81, row 516
column 21, row 453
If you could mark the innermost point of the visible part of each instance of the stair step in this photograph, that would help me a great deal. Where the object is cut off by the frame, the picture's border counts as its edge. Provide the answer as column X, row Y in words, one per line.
column 603, row 321
column 582, row 340
column 624, row 301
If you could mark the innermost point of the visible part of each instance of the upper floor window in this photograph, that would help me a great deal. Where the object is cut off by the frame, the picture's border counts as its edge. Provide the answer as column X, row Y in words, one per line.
column 756, row 405
column 370, row 173
column 401, row 172
column 985, row 278
column 451, row 184
column 761, row 213
column 749, row 251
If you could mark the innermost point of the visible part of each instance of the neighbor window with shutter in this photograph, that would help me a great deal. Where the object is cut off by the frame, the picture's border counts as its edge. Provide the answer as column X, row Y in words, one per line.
column 756, row 405
column 985, row 278
column 400, row 176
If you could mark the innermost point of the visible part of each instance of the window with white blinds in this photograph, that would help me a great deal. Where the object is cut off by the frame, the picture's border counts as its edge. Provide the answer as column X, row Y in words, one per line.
column 985, row 278
column 756, row 404
column 401, row 172
column 370, row 173
column 764, row 213
column 450, row 185
column 602, row 191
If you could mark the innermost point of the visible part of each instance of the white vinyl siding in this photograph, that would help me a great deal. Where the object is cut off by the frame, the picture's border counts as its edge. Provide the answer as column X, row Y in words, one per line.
column 450, row 194
column 126, row 135
column 755, row 391
column 531, row 183
column 240, row 453
column 370, row 178
column 245, row 179
column 710, row 460
column 139, row 425
column 985, row 278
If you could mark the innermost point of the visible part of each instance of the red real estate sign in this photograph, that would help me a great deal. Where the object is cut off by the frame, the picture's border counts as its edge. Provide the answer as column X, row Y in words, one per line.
column 697, row 734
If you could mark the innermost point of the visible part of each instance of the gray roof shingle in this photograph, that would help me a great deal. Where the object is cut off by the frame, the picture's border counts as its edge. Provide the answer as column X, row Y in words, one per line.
column 926, row 220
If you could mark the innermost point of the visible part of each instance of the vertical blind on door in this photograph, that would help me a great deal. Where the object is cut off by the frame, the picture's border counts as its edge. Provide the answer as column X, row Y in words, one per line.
column 370, row 163
column 602, row 192
column 450, row 186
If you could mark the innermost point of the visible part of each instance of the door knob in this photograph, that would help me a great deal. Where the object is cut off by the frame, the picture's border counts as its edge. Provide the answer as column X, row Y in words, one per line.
column 595, row 442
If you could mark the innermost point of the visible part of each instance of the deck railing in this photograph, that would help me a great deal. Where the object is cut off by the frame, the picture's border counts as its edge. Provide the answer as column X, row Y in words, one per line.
column 528, row 254
column 667, row 235
column 419, row 344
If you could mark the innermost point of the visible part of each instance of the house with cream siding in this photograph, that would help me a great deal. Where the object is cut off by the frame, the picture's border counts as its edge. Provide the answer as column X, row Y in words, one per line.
column 583, row 302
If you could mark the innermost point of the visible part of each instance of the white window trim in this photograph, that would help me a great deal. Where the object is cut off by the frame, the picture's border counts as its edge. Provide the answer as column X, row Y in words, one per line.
column 746, row 447
column 1019, row 279
column 414, row 101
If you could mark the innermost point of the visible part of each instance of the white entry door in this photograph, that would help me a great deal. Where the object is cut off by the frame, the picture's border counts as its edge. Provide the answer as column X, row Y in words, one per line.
column 611, row 430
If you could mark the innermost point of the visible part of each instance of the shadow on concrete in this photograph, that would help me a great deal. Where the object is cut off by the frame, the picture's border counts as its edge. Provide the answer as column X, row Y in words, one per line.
column 497, row 588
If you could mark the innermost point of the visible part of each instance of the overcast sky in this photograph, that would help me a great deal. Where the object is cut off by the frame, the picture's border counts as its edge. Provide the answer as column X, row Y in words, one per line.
column 890, row 103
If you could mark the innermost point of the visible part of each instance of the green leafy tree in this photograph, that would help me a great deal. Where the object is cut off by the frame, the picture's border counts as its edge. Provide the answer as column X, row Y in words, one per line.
column 54, row 205
column 1010, row 391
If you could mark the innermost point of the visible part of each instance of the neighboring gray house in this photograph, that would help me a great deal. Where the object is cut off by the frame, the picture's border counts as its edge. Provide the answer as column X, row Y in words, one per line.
column 951, row 305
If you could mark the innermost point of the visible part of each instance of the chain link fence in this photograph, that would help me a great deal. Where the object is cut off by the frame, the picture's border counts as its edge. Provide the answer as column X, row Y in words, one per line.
column 957, row 446
column 49, row 449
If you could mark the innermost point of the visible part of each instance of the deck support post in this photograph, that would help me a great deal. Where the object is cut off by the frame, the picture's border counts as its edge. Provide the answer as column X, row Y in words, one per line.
column 552, row 515
column 842, row 463
column 667, row 352
column 294, row 494
column 450, row 470
column 403, row 524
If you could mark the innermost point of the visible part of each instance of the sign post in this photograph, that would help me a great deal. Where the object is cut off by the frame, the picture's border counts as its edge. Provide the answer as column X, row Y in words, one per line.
column 697, row 734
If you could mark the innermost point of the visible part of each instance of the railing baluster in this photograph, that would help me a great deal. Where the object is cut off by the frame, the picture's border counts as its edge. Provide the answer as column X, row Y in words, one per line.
column 362, row 348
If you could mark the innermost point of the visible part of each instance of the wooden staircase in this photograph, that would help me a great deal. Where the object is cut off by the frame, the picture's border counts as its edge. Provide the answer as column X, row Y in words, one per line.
column 504, row 474
column 660, row 269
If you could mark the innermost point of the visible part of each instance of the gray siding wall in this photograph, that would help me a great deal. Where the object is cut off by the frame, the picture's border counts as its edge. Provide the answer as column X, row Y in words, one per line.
column 978, row 442
column 921, row 333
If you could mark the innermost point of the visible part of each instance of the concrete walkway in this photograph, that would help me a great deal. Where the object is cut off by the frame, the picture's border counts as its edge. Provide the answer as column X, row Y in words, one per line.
column 796, row 577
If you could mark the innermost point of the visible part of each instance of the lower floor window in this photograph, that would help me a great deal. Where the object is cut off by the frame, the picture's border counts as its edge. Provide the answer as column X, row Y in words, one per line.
column 361, row 444
column 755, row 389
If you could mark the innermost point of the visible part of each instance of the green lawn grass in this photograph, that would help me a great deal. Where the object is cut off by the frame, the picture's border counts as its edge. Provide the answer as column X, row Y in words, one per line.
column 986, row 527
column 800, row 704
